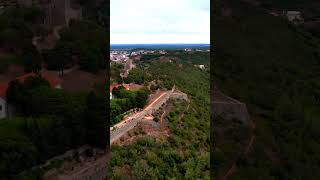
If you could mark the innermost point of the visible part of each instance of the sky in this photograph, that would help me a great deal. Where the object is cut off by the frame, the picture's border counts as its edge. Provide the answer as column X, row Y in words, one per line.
column 160, row 21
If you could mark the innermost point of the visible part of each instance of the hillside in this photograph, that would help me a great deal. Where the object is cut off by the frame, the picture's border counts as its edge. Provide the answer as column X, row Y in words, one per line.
column 185, row 152
column 272, row 66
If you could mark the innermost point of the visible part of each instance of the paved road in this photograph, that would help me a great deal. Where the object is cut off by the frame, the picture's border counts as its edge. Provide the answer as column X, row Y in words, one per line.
column 124, row 126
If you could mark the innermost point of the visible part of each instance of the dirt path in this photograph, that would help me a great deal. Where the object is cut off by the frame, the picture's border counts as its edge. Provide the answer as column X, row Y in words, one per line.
column 248, row 148
column 182, row 115
column 161, row 119
column 229, row 172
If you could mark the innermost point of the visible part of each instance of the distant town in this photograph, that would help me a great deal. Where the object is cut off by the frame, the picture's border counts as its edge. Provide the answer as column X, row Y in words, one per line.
column 122, row 55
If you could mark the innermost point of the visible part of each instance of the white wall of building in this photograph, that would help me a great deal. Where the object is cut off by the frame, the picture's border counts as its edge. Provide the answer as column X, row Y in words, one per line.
column 3, row 108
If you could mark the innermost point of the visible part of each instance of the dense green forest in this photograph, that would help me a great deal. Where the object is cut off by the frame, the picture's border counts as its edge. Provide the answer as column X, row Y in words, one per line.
column 186, row 152
column 137, row 75
column 273, row 67
column 51, row 122
column 82, row 43
column 124, row 100
column 115, row 70
column 17, row 27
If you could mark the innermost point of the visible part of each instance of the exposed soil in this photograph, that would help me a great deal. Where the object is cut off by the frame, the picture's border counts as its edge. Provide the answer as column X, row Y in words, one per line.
column 79, row 80
column 87, row 166
column 136, row 58
column 134, row 86
column 146, row 130
column 141, row 131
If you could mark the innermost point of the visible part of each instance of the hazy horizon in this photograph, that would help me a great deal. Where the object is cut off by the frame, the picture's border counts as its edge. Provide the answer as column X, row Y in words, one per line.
column 158, row 46
column 161, row 44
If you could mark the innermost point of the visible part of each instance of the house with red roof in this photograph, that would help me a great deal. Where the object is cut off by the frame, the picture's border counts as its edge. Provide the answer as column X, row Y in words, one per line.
column 126, row 86
column 50, row 77
column 3, row 104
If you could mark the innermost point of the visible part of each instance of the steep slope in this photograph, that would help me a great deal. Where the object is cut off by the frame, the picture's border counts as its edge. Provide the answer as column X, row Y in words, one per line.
column 273, row 67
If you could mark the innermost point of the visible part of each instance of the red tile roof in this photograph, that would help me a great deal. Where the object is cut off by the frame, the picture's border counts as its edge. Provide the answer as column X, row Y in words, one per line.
column 126, row 86
column 53, row 81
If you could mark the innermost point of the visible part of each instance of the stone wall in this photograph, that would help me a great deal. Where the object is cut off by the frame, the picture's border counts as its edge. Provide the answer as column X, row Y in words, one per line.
column 179, row 95
column 228, row 108
column 230, row 111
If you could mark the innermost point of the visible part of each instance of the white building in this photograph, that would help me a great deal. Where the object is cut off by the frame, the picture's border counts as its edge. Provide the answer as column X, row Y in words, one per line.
column 134, row 53
column 162, row 52
column 3, row 104
column 3, row 108
column 116, row 56
column 201, row 66
column 294, row 16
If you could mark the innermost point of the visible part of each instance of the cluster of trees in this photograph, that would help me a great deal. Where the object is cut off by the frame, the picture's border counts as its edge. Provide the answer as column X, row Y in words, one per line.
column 95, row 10
column 82, row 43
column 52, row 121
column 185, row 154
column 124, row 100
column 230, row 139
column 115, row 70
column 274, row 66
column 138, row 76
column 194, row 57
column 17, row 27
column 149, row 57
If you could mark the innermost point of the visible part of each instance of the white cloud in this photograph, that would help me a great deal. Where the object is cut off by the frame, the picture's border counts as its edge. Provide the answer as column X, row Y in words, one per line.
column 160, row 21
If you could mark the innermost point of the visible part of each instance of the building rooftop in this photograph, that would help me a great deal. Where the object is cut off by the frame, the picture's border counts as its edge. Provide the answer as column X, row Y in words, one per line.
column 126, row 86
column 51, row 78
